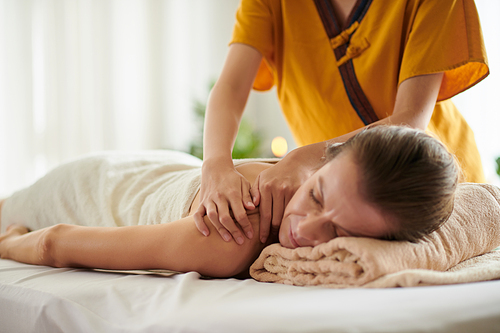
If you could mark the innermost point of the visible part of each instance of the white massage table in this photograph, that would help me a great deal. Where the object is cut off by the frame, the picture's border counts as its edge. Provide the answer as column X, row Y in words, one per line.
column 44, row 299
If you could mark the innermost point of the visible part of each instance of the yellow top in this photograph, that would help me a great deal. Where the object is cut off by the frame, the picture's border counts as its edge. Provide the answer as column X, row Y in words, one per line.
column 319, row 74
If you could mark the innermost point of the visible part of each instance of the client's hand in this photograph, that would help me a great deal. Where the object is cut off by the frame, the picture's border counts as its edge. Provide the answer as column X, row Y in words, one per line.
column 223, row 189
column 13, row 230
column 274, row 187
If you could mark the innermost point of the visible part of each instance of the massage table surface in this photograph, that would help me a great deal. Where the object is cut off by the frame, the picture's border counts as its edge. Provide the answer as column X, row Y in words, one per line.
column 45, row 299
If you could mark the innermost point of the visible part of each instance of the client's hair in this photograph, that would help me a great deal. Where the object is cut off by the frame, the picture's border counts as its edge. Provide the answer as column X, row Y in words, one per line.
column 406, row 173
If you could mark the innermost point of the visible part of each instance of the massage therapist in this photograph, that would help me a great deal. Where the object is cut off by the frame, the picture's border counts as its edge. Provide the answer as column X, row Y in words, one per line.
column 339, row 66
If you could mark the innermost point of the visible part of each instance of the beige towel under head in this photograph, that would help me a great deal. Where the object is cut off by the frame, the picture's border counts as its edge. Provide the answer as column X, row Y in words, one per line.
column 472, row 230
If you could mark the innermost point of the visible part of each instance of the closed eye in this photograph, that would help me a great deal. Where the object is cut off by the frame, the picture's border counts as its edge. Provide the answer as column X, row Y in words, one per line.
column 311, row 194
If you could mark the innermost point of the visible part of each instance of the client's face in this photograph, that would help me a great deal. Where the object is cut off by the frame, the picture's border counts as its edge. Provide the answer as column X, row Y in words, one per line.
column 329, row 205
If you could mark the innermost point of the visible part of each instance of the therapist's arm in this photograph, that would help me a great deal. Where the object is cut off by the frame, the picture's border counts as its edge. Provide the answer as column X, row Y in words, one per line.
column 223, row 189
column 415, row 101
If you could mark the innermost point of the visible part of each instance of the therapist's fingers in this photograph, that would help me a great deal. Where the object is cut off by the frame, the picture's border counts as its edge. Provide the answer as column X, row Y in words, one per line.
column 246, row 195
column 213, row 215
column 278, row 209
column 241, row 217
column 254, row 191
column 265, row 209
column 228, row 224
column 281, row 197
column 240, row 213
column 200, row 222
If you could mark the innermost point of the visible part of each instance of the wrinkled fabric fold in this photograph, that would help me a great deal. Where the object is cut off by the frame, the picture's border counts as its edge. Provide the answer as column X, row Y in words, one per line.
column 461, row 250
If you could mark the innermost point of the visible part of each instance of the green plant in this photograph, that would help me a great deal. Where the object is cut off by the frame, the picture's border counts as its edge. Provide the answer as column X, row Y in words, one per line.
column 248, row 141
column 498, row 165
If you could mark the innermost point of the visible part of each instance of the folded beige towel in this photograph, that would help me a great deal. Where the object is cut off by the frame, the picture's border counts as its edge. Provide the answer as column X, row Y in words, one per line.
column 448, row 256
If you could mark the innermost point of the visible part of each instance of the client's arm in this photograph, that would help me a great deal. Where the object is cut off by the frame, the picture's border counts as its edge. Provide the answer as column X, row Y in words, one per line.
column 175, row 246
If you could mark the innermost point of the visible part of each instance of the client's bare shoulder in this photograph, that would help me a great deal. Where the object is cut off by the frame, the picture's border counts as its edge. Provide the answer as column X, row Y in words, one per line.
column 251, row 170
column 226, row 258
column 248, row 170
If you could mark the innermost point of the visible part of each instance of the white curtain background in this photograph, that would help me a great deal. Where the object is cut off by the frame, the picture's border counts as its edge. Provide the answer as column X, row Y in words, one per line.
column 84, row 75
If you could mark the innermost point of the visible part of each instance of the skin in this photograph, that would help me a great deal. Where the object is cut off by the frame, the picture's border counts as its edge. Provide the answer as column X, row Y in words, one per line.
column 274, row 188
column 223, row 189
column 342, row 9
column 136, row 247
column 329, row 205
column 336, row 209
column 226, row 190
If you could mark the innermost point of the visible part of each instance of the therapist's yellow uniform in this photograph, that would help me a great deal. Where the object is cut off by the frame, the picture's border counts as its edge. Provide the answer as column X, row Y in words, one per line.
column 332, row 80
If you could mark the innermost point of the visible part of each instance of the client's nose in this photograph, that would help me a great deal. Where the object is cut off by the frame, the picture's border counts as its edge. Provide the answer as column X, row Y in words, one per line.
column 310, row 230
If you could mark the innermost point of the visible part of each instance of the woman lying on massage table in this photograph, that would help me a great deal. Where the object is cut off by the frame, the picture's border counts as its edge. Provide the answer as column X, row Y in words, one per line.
column 386, row 182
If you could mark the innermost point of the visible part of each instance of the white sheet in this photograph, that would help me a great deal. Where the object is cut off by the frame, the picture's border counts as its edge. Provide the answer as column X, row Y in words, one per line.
column 44, row 299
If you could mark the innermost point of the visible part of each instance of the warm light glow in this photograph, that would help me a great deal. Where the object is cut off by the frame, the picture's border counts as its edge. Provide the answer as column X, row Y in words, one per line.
column 279, row 146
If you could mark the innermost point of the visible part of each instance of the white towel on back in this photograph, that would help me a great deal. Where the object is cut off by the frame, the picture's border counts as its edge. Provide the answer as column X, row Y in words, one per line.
column 109, row 189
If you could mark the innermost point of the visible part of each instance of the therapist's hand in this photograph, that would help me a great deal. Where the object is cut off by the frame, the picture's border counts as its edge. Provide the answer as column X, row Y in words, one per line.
column 223, row 189
column 273, row 188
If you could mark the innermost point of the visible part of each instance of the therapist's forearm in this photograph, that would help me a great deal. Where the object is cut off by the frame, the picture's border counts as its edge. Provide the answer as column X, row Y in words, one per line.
column 222, row 119
column 311, row 154
column 227, row 101
column 404, row 118
column 415, row 102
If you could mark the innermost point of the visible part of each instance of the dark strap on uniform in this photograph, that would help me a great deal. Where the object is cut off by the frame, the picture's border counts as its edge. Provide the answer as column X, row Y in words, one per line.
column 356, row 96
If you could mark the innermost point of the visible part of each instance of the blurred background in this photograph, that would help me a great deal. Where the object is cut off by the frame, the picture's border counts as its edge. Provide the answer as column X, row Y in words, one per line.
column 78, row 76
